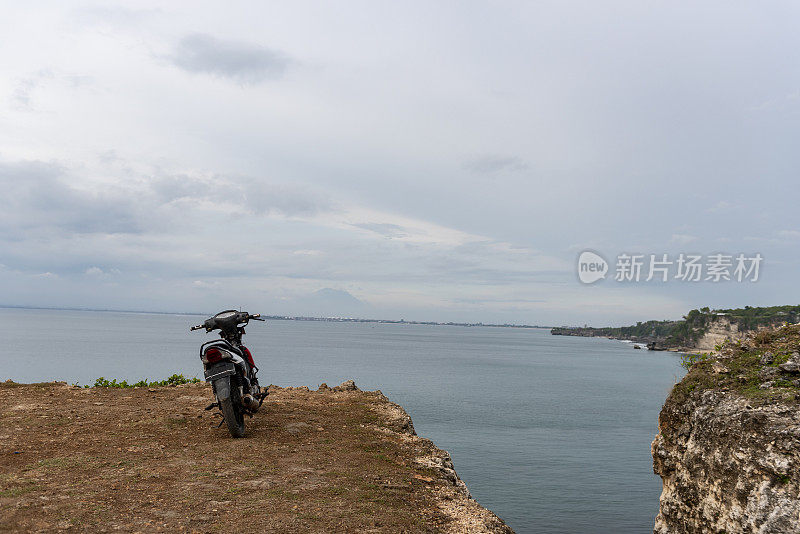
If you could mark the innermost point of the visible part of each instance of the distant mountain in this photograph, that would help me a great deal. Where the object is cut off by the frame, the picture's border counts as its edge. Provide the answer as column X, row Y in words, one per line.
column 329, row 302
column 337, row 296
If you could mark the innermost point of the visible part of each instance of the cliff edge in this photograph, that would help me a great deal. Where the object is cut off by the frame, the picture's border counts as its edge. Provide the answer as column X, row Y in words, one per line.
column 728, row 446
column 151, row 459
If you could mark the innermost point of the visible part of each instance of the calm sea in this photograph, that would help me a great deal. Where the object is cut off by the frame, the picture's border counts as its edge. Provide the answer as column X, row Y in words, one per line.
column 551, row 433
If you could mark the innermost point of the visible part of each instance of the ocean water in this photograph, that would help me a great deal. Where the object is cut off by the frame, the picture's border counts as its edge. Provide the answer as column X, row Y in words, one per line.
column 551, row 433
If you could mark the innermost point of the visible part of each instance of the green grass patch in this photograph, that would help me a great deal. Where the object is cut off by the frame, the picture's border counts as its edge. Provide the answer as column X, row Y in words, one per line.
column 62, row 462
column 174, row 380
column 17, row 491
column 688, row 360
column 281, row 494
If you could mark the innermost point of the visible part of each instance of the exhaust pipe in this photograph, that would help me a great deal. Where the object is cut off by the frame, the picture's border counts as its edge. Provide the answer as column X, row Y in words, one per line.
column 251, row 403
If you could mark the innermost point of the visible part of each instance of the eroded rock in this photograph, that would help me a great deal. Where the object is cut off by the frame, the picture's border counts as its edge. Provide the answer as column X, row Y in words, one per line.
column 727, row 465
column 717, row 368
column 767, row 373
column 347, row 385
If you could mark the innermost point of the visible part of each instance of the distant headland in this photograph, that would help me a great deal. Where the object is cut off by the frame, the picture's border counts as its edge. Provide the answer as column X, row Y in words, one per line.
column 698, row 330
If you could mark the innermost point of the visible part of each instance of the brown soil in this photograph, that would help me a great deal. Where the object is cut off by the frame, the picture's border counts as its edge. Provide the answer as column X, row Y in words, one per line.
column 151, row 459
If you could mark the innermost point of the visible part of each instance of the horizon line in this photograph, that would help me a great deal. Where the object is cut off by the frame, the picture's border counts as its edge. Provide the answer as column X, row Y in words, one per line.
column 278, row 317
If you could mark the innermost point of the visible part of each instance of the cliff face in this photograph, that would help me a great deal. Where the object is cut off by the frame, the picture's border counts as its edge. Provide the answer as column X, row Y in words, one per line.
column 728, row 466
column 728, row 447
column 719, row 330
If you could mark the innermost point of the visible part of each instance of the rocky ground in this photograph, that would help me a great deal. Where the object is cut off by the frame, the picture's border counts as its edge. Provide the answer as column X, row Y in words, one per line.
column 728, row 447
column 151, row 459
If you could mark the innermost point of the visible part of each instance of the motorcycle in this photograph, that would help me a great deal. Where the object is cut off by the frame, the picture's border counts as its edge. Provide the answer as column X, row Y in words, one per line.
column 230, row 369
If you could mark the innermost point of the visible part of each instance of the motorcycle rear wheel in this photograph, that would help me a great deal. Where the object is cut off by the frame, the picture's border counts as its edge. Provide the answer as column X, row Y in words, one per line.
column 234, row 418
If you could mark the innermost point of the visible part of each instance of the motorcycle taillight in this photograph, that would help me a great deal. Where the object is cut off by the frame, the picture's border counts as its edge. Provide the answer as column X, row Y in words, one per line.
column 213, row 355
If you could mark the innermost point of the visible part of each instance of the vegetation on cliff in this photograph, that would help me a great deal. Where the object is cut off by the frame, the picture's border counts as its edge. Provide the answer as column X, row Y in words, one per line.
column 641, row 331
column 751, row 318
column 764, row 367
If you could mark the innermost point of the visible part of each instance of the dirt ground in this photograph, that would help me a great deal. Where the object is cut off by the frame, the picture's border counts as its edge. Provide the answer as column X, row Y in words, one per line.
column 151, row 459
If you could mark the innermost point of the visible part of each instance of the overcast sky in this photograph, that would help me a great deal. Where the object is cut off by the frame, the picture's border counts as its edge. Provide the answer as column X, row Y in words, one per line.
column 430, row 161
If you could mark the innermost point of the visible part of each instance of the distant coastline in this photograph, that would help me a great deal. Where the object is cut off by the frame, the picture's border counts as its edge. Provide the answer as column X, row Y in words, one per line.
column 279, row 317
column 699, row 330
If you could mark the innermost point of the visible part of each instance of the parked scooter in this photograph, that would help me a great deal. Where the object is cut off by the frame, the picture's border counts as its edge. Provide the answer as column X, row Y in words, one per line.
column 230, row 368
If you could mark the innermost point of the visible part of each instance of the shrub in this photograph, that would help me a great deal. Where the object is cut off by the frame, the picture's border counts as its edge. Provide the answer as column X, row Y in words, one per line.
column 688, row 360
column 174, row 380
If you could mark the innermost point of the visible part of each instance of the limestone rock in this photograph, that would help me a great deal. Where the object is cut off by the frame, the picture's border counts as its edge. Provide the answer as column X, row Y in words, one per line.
column 727, row 465
column 348, row 385
column 792, row 365
column 717, row 368
column 767, row 373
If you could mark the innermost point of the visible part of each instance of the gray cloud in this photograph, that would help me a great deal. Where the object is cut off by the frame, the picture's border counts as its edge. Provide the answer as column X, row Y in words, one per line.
column 262, row 198
column 179, row 225
column 134, row 220
column 255, row 195
column 614, row 132
column 39, row 195
column 243, row 62
column 116, row 16
column 384, row 229
column 491, row 164
column 177, row 186
column 26, row 86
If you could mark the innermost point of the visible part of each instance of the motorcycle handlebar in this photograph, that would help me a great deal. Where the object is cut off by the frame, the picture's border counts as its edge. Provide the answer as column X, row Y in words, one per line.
column 249, row 317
